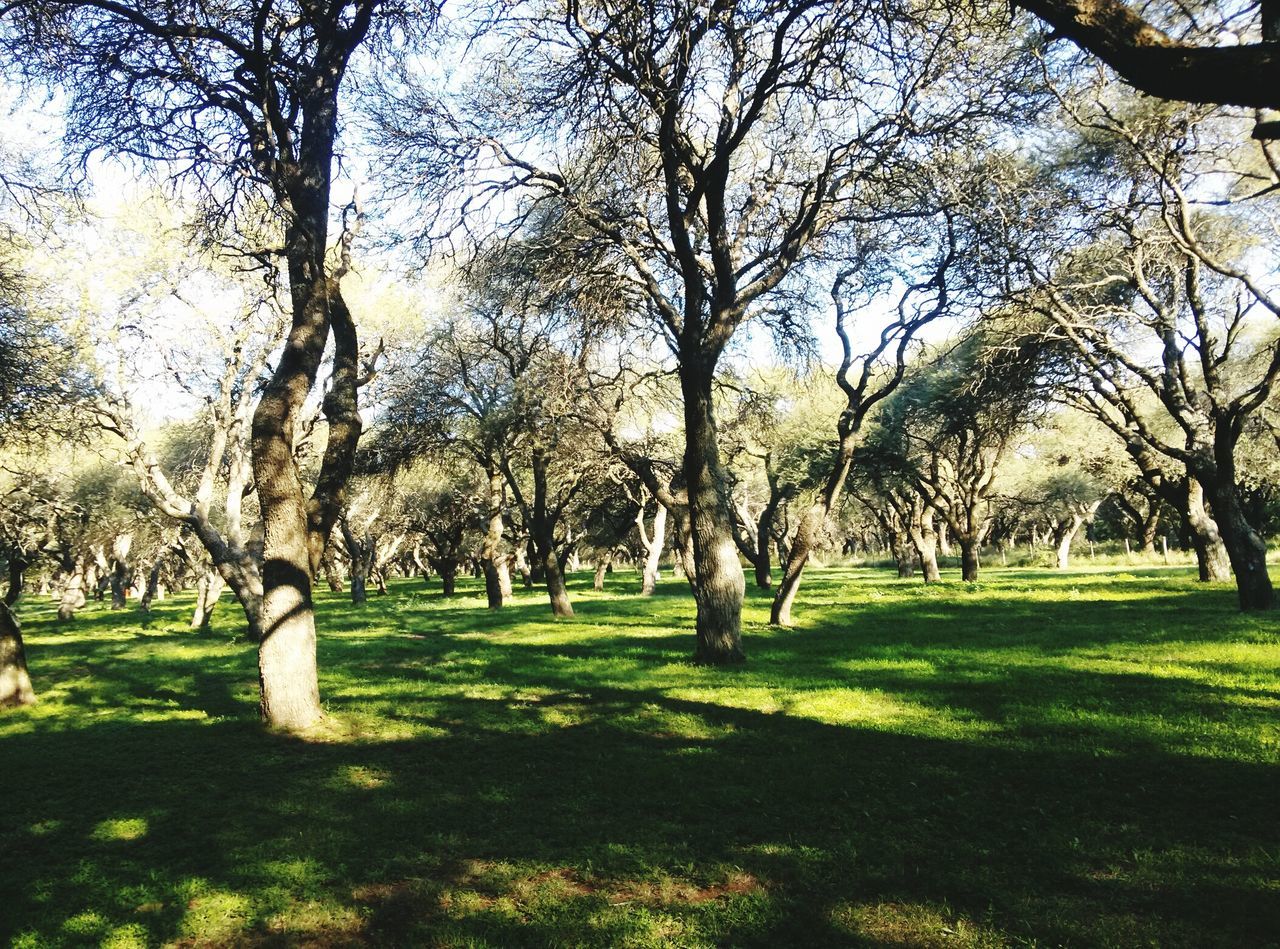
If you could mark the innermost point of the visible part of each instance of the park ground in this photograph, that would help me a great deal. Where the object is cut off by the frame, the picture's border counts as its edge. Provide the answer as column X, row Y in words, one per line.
column 1039, row 759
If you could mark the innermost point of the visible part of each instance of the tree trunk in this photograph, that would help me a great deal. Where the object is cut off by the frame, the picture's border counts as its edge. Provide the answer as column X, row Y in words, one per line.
column 15, row 683
column 448, row 581
column 602, row 567
column 653, row 551
column 925, row 539
column 721, row 582
column 208, row 590
column 1211, row 554
column 73, row 597
column 153, row 586
column 497, row 577
column 359, row 591
column 556, row 591
column 808, row 529
column 1245, row 547
column 1064, row 534
column 902, row 555
column 18, row 564
column 968, row 559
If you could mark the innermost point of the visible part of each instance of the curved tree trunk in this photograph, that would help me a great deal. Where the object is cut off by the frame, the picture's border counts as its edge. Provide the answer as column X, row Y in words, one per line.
column 602, row 567
column 653, row 548
column 808, row 530
column 15, row 682
column 556, row 590
column 1211, row 554
column 721, row 582
column 925, row 539
column 208, row 590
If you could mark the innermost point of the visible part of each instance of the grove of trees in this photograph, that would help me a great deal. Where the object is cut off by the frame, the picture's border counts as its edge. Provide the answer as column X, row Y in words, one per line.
column 330, row 293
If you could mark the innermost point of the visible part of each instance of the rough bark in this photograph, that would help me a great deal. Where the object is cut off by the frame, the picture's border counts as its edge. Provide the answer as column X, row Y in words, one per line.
column 721, row 582
column 73, row 597
column 15, row 682
column 497, row 577
column 602, row 567
column 969, row 559
column 1212, row 557
column 925, row 540
column 1245, row 547
column 1245, row 74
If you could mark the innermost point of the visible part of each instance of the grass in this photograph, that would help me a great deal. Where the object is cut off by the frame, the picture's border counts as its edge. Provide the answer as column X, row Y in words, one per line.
column 1084, row 759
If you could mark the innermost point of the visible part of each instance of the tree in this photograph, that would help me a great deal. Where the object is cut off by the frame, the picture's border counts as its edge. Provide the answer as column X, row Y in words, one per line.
column 1171, row 51
column 953, row 425
column 1171, row 315
column 712, row 149
column 243, row 97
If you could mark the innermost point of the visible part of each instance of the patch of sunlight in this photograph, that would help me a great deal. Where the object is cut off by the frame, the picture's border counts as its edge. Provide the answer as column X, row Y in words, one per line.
column 316, row 923
column 43, row 827
column 128, row 936
column 215, row 916
column 297, row 872
column 360, row 776
column 849, row 706
column 757, row 699
column 125, row 828
column 922, row 666
column 86, row 923
column 912, row 924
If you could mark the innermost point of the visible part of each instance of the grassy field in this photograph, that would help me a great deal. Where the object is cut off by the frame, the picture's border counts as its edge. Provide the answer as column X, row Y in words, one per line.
column 1087, row 759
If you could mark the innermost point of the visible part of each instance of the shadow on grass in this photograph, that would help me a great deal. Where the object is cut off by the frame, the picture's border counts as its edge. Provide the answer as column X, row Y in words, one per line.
column 417, row 840
column 587, row 804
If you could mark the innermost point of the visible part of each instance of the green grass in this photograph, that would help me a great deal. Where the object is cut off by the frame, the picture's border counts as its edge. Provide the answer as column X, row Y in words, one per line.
column 1086, row 759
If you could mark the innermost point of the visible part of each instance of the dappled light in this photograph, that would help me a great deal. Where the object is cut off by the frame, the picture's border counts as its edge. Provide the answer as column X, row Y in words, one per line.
column 916, row 766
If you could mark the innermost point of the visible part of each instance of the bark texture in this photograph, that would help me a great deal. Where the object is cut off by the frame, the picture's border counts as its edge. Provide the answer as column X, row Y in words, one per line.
column 15, row 683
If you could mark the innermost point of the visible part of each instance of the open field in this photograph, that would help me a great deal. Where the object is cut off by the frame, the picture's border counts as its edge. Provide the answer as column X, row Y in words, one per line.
column 1083, row 759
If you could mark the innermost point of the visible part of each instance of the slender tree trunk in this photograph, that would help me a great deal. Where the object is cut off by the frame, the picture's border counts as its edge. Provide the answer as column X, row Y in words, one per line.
column 1150, row 530
column 497, row 577
column 653, row 551
column 807, row 531
column 153, row 586
column 1064, row 535
column 15, row 683
column 721, row 582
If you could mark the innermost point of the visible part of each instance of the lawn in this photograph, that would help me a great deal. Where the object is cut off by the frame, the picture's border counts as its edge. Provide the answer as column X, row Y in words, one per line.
column 1083, row 759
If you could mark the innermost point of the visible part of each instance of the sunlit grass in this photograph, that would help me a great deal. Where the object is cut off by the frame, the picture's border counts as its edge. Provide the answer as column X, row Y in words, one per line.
column 1085, row 759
